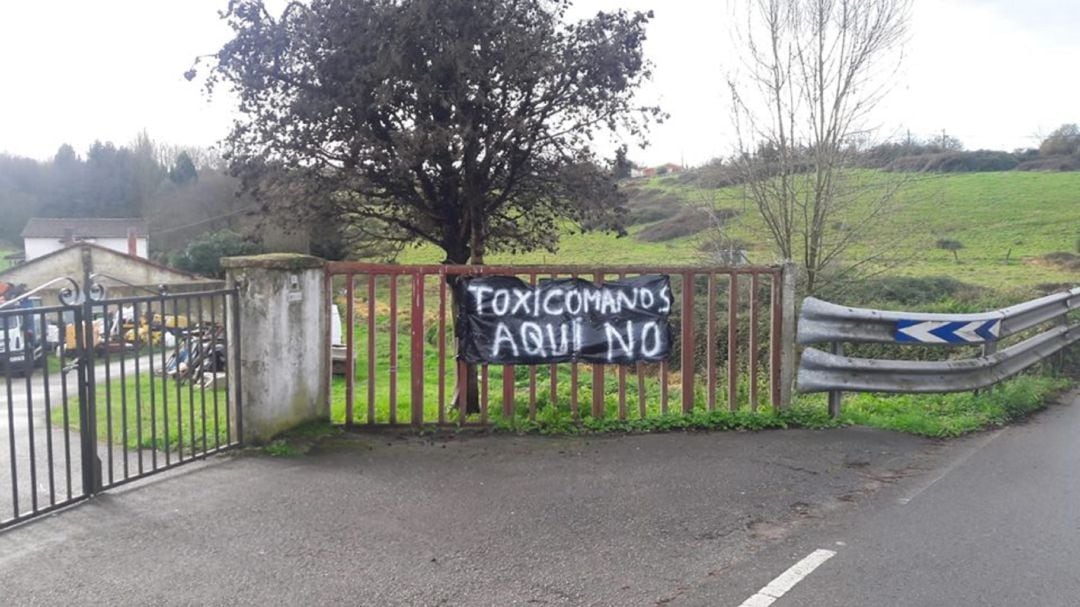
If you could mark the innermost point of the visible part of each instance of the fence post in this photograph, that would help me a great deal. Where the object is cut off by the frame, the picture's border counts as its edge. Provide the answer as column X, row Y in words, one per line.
column 789, row 275
column 835, row 396
column 84, row 340
column 988, row 349
column 1059, row 360
column 88, row 440
column 281, row 343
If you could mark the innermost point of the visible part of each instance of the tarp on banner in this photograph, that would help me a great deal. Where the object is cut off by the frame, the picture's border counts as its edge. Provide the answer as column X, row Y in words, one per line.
column 503, row 320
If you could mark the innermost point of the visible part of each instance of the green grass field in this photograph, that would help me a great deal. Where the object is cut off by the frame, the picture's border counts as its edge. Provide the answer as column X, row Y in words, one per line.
column 1007, row 222
column 154, row 412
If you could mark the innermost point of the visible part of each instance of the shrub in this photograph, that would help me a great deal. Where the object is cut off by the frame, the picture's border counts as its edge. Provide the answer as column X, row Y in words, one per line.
column 203, row 255
column 901, row 292
column 950, row 245
column 1065, row 140
column 978, row 161
column 1053, row 163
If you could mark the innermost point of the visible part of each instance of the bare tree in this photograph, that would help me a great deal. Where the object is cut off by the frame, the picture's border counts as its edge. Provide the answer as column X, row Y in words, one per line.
column 812, row 72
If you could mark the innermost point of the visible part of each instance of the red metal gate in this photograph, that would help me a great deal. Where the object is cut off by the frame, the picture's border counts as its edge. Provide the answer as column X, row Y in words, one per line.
column 727, row 322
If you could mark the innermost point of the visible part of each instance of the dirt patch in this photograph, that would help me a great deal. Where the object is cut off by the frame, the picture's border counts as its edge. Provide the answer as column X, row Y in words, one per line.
column 650, row 205
column 687, row 222
column 1060, row 259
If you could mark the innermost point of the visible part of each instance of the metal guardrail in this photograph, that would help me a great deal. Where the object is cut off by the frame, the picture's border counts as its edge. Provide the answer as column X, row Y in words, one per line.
column 824, row 322
column 821, row 321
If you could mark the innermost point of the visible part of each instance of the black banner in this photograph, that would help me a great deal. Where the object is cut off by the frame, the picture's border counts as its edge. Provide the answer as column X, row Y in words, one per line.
column 503, row 320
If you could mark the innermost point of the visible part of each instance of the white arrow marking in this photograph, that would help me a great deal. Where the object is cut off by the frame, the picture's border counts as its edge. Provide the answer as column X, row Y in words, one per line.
column 921, row 332
column 967, row 332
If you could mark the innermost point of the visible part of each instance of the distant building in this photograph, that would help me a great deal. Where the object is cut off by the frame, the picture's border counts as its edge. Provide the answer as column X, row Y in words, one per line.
column 43, row 236
column 122, row 274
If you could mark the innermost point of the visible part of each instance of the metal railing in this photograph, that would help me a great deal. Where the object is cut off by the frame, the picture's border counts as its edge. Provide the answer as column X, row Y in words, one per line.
column 68, row 293
column 730, row 326
column 101, row 392
column 824, row 322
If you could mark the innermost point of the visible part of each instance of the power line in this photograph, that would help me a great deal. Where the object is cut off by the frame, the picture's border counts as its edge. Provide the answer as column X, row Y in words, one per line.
column 203, row 222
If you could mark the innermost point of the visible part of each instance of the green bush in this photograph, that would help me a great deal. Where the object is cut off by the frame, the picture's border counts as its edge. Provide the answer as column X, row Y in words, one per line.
column 203, row 255
column 979, row 161
column 901, row 292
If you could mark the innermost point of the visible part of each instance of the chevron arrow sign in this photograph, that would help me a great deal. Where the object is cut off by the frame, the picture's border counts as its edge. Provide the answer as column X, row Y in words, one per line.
column 947, row 332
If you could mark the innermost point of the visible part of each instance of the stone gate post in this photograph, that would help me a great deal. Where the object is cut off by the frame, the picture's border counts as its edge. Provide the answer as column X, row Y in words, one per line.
column 283, row 355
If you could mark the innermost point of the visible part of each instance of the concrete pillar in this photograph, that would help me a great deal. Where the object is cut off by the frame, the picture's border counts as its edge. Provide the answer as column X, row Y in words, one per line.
column 282, row 337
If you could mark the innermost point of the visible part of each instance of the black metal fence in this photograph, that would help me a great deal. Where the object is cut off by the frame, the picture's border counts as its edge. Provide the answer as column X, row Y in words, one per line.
column 100, row 392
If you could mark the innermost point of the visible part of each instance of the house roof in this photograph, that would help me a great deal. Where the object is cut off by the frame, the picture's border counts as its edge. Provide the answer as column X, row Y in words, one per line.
column 108, row 252
column 39, row 227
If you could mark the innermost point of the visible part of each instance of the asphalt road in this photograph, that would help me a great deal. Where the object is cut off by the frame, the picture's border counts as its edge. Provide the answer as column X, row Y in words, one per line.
column 486, row 520
column 673, row 519
column 996, row 522
column 24, row 426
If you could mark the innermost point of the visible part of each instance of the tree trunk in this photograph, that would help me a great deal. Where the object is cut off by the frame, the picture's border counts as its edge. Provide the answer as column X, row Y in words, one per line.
column 469, row 402
column 472, row 390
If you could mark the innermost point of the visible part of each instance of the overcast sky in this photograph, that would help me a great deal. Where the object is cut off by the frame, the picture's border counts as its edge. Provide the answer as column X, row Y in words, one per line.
column 992, row 73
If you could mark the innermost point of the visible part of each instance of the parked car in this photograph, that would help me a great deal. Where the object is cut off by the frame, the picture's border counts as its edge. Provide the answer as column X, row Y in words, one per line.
column 22, row 339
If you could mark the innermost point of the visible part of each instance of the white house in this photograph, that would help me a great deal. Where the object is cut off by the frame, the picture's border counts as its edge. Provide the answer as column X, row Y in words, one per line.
column 122, row 274
column 43, row 236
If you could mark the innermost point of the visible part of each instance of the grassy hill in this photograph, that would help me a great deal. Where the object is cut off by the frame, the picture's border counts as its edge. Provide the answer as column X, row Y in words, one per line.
column 1011, row 225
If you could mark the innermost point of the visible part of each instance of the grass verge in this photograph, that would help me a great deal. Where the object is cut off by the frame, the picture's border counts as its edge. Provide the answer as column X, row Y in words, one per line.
column 930, row 415
column 154, row 412
column 950, row 415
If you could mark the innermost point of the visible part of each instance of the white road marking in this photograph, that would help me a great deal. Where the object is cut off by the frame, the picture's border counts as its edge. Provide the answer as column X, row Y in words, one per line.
column 953, row 465
column 787, row 580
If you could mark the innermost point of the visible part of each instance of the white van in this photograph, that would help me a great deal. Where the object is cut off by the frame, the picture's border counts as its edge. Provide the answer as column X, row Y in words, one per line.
column 22, row 340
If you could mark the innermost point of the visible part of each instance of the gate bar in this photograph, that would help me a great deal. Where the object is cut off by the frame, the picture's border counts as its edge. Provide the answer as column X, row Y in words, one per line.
column 687, row 355
column 393, row 349
column 753, row 345
column 371, row 349
column 710, row 355
column 733, row 342
column 416, row 368
column 350, row 348
column 442, row 348
column 598, row 373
